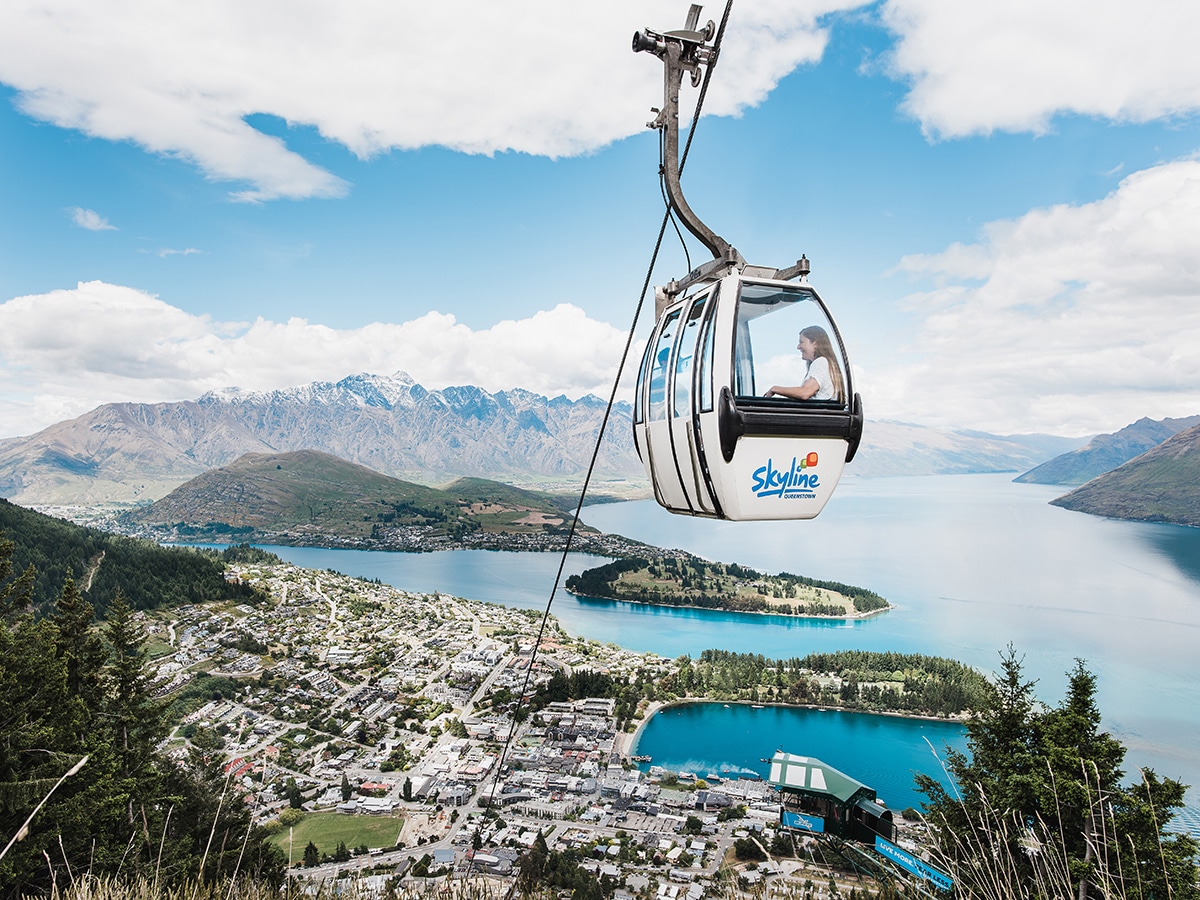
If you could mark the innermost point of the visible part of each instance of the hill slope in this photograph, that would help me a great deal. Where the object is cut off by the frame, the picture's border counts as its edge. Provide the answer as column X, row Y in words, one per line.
column 1106, row 451
column 101, row 563
column 312, row 497
column 1161, row 485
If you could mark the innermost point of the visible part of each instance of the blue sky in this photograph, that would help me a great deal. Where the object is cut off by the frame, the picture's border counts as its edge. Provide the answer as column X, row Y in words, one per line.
column 1001, row 201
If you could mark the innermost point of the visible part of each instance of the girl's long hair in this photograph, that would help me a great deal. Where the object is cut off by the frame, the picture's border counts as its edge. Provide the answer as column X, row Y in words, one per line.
column 820, row 339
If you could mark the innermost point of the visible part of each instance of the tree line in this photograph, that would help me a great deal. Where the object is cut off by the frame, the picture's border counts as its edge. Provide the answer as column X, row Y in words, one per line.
column 81, row 736
column 691, row 581
column 1042, row 806
column 871, row 681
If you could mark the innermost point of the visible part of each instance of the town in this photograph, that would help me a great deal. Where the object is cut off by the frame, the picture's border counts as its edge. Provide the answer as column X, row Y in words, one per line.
column 385, row 734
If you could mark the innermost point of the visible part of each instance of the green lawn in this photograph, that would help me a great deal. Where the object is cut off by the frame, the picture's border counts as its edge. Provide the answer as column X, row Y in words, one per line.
column 326, row 830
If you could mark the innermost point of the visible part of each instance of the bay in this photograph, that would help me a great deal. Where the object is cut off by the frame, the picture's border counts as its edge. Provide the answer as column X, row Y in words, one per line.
column 737, row 739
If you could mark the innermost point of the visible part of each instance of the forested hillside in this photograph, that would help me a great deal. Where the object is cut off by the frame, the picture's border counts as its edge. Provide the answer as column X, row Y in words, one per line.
column 101, row 564
column 81, row 733
column 313, row 498
column 851, row 679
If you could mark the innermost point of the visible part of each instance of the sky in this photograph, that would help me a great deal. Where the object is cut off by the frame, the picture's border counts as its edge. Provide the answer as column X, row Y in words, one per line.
column 1001, row 201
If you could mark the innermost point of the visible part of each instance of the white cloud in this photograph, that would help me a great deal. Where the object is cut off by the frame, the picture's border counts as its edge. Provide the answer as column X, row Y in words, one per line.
column 543, row 76
column 989, row 65
column 536, row 76
column 90, row 219
column 1070, row 319
column 68, row 351
column 168, row 251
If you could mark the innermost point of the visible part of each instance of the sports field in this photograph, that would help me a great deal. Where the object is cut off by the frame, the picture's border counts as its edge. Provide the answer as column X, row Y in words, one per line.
column 327, row 830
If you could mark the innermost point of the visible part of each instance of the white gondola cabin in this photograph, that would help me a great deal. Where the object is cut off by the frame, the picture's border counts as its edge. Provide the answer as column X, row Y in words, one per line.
column 712, row 443
column 745, row 407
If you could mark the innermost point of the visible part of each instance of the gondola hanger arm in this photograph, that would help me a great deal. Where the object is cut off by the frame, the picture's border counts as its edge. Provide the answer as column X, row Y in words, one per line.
column 683, row 50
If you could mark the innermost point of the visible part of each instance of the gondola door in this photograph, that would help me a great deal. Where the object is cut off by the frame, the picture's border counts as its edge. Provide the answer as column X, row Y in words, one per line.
column 686, row 393
column 660, row 456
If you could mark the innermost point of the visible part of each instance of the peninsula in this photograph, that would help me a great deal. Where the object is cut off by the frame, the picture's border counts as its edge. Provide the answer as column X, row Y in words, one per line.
column 686, row 580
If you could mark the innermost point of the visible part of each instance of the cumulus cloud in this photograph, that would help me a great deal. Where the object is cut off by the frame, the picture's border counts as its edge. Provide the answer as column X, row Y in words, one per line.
column 1011, row 66
column 68, row 351
column 535, row 76
column 90, row 219
column 1070, row 319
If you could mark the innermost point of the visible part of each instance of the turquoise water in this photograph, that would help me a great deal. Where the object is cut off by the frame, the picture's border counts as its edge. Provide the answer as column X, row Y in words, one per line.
column 972, row 563
column 882, row 752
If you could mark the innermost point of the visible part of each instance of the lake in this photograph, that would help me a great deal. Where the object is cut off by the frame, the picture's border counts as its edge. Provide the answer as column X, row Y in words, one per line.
column 972, row 563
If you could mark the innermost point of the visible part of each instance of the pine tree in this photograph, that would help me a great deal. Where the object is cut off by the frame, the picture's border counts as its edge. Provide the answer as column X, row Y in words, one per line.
column 1038, row 777
column 16, row 595
column 78, row 644
column 292, row 791
column 41, row 723
column 137, row 720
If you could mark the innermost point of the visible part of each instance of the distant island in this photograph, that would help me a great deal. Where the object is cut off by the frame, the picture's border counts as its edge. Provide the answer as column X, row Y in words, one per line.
column 686, row 580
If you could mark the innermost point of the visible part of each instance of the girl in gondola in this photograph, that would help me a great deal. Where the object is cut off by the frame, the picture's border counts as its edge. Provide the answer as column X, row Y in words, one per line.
column 823, row 378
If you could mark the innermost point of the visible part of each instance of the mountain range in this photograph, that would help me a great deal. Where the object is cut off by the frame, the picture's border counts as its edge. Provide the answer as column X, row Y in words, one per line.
column 1105, row 452
column 138, row 452
column 1160, row 485
column 131, row 452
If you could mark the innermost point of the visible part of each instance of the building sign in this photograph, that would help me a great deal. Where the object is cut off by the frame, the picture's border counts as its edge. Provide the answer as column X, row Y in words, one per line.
column 801, row 822
column 910, row 863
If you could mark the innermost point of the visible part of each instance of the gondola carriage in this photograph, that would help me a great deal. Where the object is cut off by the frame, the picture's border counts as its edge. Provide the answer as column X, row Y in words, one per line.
column 715, row 439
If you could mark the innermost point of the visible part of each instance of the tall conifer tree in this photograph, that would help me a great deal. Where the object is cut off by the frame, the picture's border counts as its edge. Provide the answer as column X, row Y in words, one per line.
column 1041, row 784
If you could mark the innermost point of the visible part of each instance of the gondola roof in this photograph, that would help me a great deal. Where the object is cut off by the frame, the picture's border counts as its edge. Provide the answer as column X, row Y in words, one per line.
column 808, row 775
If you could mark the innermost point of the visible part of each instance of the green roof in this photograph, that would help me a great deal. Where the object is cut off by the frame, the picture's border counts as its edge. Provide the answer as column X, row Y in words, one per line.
column 805, row 774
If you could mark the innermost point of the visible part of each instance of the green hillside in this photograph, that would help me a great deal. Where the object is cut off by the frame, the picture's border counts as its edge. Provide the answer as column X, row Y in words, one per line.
column 1161, row 485
column 315, row 497
column 101, row 563
column 482, row 489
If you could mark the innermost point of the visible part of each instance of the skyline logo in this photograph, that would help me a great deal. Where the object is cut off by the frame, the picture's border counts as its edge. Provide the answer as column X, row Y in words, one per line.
column 796, row 482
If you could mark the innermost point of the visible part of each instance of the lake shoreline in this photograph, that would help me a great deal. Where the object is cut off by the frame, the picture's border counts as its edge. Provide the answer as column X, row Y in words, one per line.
column 848, row 617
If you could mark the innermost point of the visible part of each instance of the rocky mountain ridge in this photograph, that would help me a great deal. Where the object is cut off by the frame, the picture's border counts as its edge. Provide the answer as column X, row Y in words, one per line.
column 1161, row 485
column 1105, row 452
column 140, row 451
column 123, row 453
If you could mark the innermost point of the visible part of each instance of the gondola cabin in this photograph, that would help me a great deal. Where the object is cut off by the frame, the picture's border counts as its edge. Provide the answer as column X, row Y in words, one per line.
column 744, row 405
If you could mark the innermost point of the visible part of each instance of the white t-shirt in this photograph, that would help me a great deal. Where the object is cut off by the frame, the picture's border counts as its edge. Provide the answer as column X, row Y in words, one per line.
column 818, row 370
